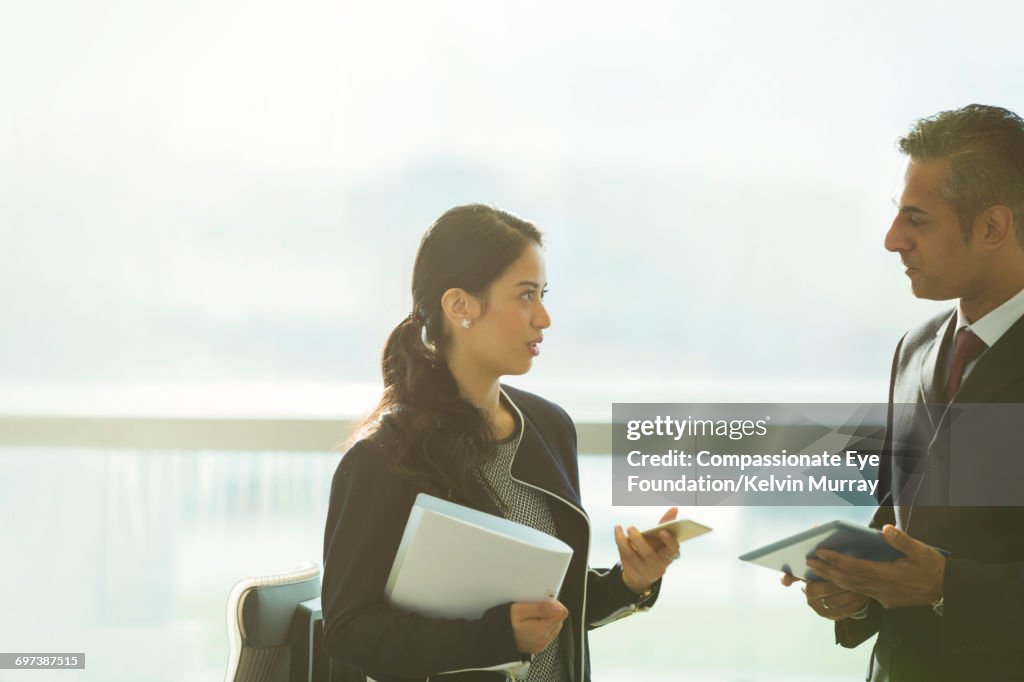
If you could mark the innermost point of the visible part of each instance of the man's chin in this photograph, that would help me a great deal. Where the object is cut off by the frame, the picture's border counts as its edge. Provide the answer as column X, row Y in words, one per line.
column 929, row 293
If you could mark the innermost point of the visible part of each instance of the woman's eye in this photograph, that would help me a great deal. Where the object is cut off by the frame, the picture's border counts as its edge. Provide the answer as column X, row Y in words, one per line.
column 530, row 295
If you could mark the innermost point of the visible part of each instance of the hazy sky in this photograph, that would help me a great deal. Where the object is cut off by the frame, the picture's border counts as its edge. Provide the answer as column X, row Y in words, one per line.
column 225, row 193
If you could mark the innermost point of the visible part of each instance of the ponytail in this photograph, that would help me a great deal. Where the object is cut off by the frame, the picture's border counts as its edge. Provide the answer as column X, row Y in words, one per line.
column 440, row 436
column 405, row 360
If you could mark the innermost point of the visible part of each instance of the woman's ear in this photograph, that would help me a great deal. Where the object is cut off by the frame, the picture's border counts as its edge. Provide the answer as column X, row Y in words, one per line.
column 459, row 305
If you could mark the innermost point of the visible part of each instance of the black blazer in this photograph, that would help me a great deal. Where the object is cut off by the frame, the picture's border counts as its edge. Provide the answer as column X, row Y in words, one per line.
column 369, row 506
column 980, row 637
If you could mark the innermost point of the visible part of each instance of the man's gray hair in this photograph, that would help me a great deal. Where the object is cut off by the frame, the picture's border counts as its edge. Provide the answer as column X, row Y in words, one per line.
column 985, row 149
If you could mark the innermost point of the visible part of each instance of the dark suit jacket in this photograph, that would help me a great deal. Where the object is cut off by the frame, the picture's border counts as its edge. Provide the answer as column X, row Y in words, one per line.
column 922, row 476
column 369, row 506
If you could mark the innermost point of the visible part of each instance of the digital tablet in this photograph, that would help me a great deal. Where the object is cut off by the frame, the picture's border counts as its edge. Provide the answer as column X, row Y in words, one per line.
column 790, row 555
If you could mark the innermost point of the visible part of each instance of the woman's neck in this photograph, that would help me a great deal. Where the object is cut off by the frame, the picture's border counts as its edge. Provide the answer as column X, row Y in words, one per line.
column 483, row 391
column 479, row 388
column 483, row 394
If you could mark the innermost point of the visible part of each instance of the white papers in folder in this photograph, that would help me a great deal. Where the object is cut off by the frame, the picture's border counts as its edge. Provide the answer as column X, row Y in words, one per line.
column 457, row 562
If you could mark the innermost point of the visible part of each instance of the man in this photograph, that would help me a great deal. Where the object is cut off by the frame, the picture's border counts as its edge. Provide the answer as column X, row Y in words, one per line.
column 959, row 231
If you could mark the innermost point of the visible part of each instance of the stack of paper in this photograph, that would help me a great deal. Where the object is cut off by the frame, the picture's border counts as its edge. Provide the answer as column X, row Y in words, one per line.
column 457, row 562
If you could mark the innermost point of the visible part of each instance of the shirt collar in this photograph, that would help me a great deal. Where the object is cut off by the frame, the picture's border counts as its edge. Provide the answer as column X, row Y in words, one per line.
column 992, row 326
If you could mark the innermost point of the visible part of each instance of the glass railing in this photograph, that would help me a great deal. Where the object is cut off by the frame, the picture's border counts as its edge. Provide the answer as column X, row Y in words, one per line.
column 129, row 555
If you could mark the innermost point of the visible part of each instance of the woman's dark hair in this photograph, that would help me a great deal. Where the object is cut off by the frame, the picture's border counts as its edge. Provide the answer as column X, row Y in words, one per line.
column 440, row 437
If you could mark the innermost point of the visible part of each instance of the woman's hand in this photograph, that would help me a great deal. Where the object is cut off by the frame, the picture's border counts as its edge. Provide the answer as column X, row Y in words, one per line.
column 536, row 625
column 642, row 563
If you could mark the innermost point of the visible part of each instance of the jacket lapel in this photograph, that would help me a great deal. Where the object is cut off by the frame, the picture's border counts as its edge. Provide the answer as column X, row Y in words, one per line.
column 913, row 431
column 536, row 465
column 931, row 385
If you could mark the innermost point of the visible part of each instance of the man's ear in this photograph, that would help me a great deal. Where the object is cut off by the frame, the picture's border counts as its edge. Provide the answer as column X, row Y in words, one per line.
column 459, row 305
column 994, row 226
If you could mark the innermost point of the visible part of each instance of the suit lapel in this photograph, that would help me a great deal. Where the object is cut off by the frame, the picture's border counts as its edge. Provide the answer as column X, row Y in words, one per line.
column 930, row 382
column 912, row 430
column 931, row 389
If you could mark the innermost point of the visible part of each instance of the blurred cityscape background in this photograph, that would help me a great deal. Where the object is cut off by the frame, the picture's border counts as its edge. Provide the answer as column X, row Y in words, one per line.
column 210, row 209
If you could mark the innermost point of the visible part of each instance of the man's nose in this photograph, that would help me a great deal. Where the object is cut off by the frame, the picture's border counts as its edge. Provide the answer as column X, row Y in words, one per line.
column 895, row 240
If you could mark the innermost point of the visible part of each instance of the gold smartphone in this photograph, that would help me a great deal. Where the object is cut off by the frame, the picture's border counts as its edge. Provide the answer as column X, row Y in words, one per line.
column 683, row 529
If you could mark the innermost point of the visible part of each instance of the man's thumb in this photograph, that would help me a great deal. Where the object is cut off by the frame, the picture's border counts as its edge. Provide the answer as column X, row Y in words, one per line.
column 897, row 539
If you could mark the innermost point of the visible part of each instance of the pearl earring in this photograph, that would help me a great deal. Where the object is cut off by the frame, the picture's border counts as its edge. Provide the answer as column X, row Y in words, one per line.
column 465, row 323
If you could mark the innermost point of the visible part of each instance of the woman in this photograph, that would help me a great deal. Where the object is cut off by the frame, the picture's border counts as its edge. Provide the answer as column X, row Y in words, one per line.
column 446, row 426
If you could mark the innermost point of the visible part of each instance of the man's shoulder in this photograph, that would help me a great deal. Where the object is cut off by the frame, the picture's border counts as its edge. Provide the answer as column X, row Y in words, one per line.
column 927, row 330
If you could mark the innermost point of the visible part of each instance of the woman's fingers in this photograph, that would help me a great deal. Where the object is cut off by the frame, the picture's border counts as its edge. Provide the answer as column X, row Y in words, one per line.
column 669, row 515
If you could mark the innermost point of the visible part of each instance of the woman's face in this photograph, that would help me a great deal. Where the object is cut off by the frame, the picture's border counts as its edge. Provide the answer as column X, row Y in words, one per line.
column 505, row 337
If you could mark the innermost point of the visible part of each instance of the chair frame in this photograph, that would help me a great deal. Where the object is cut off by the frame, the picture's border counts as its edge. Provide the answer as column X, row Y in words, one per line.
column 306, row 571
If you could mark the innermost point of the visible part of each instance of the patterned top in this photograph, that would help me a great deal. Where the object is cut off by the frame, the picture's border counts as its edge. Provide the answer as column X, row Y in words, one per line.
column 528, row 506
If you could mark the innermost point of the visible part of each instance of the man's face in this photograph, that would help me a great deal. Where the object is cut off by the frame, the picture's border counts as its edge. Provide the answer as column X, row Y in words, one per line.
column 926, row 233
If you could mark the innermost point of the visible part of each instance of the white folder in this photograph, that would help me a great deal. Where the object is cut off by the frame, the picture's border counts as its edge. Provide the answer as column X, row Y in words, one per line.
column 457, row 562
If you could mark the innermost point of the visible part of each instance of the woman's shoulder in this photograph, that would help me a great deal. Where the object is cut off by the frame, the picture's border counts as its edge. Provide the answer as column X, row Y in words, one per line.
column 371, row 453
column 368, row 501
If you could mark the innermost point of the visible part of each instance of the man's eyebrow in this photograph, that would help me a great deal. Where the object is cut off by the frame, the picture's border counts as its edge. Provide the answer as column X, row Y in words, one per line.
column 527, row 282
column 912, row 209
column 906, row 209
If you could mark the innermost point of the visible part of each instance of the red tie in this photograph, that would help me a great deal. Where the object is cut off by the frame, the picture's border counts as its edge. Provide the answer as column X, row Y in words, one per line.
column 968, row 347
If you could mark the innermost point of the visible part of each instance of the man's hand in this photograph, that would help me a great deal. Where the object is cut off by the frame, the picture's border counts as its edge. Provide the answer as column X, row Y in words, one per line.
column 828, row 600
column 643, row 564
column 536, row 625
column 916, row 579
